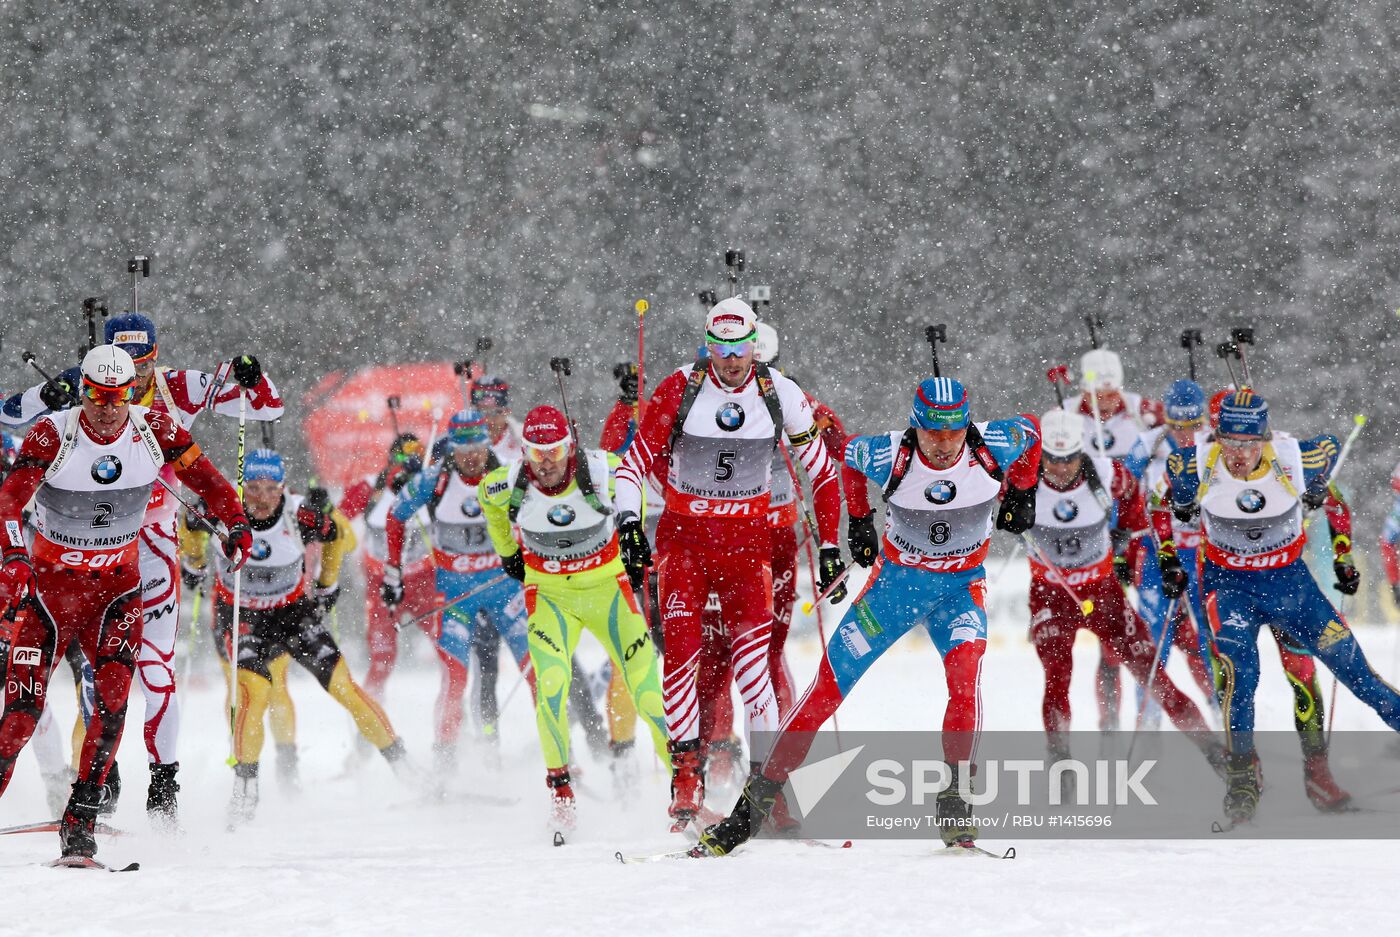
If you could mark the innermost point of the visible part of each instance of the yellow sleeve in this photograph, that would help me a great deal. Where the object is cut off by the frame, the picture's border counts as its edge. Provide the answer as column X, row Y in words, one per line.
column 194, row 544
column 613, row 463
column 333, row 554
column 493, row 494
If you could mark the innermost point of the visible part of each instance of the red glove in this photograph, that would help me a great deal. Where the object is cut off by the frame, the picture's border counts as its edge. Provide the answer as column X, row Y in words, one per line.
column 238, row 545
column 16, row 581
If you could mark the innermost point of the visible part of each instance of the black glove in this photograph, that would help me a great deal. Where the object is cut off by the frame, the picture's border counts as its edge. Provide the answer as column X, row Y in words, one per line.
column 1122, row 570
column 514, row 565
column 246, row 371
column 863, row 540
column 56, row 394
column 1173, row 574
column 1186, row 513
column 829, row 568
column 1395, row 592
column 1348, row 579
column 314, row 517
column 326, row 597
column 1017, row 512
column 626, row 374
column 391, row 589
column 190, row 577
column 1313, row 497
column 636, row 551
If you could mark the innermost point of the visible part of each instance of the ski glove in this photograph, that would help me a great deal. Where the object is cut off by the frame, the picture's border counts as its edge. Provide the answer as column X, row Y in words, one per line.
column 1348, row 579
column 1122, row 570
column 314, row 518
column 830, row 569
column 238, row 545
column 391, row 589
column 626, row 374
column 1314, row 496
column 863, row 540
column 16, row 580
column 1173, row 574
column 191, row 577
column 636, row 551
column 56, row 394
column 1186, row 513
column 1017, row 512
column 514, row 565
column 247, row 372
column 326, row 597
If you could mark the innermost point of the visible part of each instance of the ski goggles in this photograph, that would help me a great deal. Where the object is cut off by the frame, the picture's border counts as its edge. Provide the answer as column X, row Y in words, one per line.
column 411, row 451
column 548, row 452
column 1240, row 442
column 730, row 349
column 1195, row 422
column 107, row 396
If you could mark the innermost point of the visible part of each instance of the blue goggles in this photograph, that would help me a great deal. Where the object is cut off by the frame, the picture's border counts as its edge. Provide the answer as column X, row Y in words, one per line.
column 735, row 350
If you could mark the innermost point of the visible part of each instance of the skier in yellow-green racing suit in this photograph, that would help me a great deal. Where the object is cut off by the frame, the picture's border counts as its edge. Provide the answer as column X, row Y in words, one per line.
column 568, row 559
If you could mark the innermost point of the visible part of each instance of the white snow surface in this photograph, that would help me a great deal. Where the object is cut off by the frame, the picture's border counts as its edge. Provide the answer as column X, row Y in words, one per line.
column 360, row 853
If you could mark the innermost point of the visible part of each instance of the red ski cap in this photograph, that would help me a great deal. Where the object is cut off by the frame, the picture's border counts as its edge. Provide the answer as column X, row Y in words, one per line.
column 545, row 426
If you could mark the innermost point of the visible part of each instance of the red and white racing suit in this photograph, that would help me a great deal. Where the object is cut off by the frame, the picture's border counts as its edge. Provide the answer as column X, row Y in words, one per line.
column 91, row 502
column 714, row 534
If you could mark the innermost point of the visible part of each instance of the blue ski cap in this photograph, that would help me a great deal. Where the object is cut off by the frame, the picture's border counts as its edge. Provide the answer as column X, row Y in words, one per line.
column 1185, row 402
column 133, row 332
column 468, row 428
column 264, row 463
column 1244, row 413
column 940, row 403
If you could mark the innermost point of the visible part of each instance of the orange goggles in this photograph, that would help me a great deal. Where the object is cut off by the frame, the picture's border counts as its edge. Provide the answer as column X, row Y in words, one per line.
column 107, row 395
column 553, row 452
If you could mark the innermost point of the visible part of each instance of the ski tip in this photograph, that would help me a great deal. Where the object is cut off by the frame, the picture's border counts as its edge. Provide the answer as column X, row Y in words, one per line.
column 87, row 862
column 846, row 844
column 558, row 838
column 619, row 857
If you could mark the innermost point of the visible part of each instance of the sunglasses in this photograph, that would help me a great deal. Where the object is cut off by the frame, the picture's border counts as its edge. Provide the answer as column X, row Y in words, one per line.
column 736, row 350
column 1236, row 442
column 107, row 395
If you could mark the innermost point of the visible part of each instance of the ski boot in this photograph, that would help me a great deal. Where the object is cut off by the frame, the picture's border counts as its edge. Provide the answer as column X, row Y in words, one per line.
column 754, row 806
column 563, row 816
column 75, row 829
column 779, row 821
column 1069, row 781
column 623, row 767
column 244, row 801
column 404, row 769
column 1324, row 792
column 288, row 770
column 954, row 815
column 112, row 792
column 1242, row 788
column 687, row 783
column 161, row 806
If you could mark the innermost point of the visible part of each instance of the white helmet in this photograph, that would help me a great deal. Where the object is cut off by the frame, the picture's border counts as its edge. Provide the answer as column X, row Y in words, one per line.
column 766, row 339
column 108, row 366
column 1101, row 370
column 1061, row 434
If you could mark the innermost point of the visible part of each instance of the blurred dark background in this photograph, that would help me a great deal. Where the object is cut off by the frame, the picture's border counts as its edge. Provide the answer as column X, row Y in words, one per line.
column 331, row 184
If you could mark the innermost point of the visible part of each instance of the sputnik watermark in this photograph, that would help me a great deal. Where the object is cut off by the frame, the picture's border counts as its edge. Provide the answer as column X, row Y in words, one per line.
column 1114, row 783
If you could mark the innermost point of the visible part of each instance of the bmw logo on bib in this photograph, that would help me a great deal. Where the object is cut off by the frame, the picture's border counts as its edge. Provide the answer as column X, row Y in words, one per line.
column 1066, row 510
column 1250, row 501
column 261, row 549
column 941, row 491
column 471, row 509
column 730, row 417
column 106, row 469
column 1108, row 440
column 561, row 515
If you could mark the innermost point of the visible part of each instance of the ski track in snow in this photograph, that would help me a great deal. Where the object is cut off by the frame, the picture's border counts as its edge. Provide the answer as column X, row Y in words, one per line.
column 361, row 854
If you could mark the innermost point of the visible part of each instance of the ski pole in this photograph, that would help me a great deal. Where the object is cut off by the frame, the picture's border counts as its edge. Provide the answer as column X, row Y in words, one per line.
column 1163, row 643
column 1057, row 376
column 1358, row 421
column 1225, row 351
column 234, row 636
column 139, row 267
column 734, row 261
column 463, row 369
column 393, row 404
column 561, row 369
column 826, row 593
column 493, row 581
column 934, row 334
column 641, row 306
column 1086, row 606
column 1095, row 322
column 1093, row 392
column 1240, row 338
column 1190, row 339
